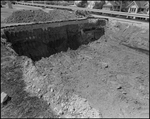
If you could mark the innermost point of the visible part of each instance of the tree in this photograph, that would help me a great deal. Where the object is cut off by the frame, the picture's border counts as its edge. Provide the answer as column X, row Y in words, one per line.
column 123, row 4
column 99, row 4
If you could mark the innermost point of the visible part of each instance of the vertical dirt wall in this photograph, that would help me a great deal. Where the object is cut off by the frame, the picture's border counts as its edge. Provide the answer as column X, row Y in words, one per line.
column 40, row 40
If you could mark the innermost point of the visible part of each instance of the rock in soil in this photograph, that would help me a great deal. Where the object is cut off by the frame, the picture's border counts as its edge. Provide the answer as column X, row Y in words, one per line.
column 4, row 97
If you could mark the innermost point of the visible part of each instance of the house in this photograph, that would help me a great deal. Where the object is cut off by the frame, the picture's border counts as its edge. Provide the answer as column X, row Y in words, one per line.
column 138, row 7
column 112, row 5
column 147, row 7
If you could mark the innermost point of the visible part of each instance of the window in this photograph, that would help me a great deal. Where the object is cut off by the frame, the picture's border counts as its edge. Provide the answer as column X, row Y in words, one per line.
column 132, row 9
column 142, row 9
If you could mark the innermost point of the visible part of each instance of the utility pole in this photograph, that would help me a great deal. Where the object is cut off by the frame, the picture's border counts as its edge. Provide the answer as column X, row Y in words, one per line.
column 9, row 5
column 120, row 6
column 45, row 3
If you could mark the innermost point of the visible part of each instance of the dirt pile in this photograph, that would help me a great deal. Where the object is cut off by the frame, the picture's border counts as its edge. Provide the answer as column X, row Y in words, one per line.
column 26, row 16
column 20, row 103
column 132, row 36
column 63, row 15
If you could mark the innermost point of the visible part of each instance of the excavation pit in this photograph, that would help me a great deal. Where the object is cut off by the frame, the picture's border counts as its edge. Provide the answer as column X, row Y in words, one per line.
column 37, row 40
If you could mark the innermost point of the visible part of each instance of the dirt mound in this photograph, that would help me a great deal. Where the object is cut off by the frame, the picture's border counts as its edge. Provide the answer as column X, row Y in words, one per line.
column 14, row 87
column 133, row 36
column 63, row 15
column 26, row 16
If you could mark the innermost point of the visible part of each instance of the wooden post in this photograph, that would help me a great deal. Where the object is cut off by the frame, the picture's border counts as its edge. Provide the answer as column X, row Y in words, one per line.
column 128, row 12
column 135, row 12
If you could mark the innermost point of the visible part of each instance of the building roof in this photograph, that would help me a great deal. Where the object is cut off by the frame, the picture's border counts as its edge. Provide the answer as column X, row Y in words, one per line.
column 140, row 4
column 126, row 3
column 146, row 4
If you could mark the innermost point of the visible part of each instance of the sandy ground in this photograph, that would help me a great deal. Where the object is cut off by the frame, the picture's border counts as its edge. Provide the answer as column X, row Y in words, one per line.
column 102, row 79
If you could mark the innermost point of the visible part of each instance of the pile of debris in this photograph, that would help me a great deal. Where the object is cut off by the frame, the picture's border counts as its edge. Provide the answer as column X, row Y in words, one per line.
column 26, row 16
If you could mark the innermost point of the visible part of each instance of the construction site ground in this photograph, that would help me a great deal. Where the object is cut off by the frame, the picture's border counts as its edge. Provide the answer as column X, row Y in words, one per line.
column 105, row 78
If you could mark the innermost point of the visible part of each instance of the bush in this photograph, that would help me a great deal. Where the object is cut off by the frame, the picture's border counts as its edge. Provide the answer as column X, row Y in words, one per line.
column 82, row 4
column 99, row 5
column 82, row 13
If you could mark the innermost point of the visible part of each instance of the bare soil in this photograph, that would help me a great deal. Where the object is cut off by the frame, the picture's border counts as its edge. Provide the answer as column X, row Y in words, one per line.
column 27, row 16
column 102, row 79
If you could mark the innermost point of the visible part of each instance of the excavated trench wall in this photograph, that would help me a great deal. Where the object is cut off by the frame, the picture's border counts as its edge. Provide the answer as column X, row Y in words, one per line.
column 37, row 40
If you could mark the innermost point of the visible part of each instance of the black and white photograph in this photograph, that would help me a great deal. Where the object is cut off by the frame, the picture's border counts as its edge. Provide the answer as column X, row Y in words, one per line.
column 74, row 59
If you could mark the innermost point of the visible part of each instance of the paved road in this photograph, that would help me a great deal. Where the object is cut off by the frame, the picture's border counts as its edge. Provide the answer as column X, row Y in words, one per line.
column 87, row 9
column 123, row 20
column 133, row 21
